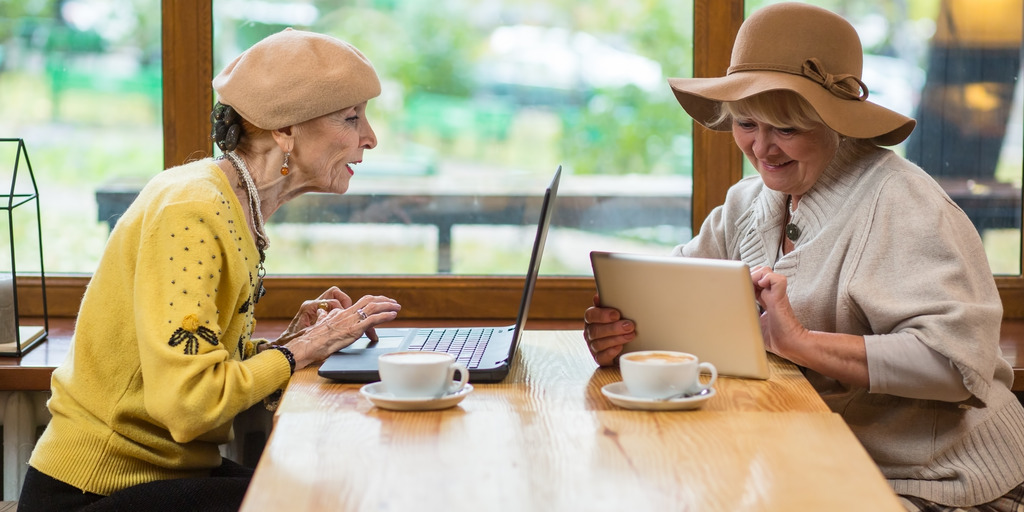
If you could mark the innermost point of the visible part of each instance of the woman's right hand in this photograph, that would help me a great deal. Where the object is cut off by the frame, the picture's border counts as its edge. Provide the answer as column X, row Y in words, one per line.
column 606, row 333
column 338, row 328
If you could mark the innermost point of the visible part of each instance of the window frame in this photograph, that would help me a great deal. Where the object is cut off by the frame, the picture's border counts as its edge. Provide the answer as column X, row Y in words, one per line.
column 188, row 70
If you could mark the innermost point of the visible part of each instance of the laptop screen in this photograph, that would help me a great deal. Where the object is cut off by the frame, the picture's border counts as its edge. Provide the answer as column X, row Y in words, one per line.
column 546, row 212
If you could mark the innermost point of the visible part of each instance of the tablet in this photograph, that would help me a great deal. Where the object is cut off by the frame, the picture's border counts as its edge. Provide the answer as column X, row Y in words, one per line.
column 702, row 306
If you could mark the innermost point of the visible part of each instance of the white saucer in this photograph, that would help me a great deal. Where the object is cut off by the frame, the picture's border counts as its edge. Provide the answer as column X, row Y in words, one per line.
column 619, row 395
column 377, row 393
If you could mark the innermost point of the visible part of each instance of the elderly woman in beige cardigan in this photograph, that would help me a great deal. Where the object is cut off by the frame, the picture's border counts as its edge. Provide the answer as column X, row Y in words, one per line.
column 870, row 277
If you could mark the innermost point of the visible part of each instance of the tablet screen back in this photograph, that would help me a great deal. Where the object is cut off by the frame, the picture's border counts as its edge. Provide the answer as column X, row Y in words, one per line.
column 702, row 306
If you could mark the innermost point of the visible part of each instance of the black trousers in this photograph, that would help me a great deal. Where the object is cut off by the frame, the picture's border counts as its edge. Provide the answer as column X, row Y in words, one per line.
column 223, row 490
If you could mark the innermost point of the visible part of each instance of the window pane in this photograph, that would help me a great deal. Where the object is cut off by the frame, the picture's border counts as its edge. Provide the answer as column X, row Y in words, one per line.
column 954, row 65
column 481, row 102
column 80, row 82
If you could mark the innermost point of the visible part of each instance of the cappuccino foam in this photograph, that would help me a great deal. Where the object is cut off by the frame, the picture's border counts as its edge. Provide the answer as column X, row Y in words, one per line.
column 660, row 358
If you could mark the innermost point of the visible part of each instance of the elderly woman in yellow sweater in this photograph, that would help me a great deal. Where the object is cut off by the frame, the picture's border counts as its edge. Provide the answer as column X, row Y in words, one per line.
column 162, row 358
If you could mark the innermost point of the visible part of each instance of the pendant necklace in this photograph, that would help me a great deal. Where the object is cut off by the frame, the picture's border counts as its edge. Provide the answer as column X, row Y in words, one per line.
column 262, row 242
column 792, row 230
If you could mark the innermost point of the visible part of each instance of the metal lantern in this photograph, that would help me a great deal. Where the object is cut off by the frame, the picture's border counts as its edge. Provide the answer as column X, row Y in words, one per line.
column 24, row 319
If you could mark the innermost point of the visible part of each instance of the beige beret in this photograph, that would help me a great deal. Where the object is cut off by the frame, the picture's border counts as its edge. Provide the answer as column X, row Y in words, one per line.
column 294, row 76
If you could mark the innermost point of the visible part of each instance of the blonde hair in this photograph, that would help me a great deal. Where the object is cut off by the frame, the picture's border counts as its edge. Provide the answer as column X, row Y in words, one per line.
column 787, row 109
column 783, row 109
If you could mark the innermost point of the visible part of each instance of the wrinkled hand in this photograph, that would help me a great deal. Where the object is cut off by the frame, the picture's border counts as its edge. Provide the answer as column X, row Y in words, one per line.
column 606, row 333
column 779, row 324
column 309, row 311
column 337, row 325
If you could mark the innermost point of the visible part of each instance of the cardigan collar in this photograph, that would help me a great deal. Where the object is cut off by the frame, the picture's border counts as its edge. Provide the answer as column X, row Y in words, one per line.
column 761, row 224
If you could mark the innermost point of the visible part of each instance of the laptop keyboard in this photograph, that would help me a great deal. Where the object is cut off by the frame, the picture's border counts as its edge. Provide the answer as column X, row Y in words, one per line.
column 467, row 345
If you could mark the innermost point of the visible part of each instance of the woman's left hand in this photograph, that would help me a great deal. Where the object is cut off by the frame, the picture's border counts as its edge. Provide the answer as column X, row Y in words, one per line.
column 840, row 356
column 779, row 325
column 309, row 311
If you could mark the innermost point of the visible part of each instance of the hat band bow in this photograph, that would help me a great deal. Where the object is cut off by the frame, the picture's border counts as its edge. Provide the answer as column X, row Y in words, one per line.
column 845, row 86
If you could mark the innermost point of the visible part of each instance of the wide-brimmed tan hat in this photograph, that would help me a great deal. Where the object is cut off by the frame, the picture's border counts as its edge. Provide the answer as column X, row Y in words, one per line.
column 294, row 76
column 805, row 49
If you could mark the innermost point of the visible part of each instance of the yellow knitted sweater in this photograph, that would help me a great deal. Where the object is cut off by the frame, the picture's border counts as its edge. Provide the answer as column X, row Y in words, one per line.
column 162, row 359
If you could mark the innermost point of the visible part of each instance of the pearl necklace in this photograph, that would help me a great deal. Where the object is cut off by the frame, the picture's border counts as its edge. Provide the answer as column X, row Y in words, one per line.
column 262, row 242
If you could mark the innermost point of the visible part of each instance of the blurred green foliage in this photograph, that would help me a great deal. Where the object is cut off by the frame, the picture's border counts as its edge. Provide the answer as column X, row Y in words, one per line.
column 428, row 53
column 432, row 50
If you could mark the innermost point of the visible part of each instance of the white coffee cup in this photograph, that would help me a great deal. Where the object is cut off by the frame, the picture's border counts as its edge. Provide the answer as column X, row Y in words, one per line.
column 421, row 374
column 664, row 373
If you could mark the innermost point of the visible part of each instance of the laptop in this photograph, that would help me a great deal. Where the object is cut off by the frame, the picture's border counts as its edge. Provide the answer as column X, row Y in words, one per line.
column 487, row 351
column 702, row 306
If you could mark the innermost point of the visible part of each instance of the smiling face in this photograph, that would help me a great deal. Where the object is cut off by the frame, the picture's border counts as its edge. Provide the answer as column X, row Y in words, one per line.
column 784, row 140
column 328, row 146
column 789, row 160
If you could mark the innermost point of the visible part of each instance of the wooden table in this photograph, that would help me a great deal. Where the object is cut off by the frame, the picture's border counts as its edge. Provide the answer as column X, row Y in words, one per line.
column 546, row 439
column 32, row 372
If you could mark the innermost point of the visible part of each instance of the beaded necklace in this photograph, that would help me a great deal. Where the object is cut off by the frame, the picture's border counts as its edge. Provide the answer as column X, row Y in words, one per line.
column 262, row 242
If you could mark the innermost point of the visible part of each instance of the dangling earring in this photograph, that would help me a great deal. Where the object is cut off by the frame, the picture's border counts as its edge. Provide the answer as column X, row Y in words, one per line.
column 284, row 166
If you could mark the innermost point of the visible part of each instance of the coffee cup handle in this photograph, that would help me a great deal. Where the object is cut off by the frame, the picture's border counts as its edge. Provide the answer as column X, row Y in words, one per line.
column 709, row 368
column 457, row 385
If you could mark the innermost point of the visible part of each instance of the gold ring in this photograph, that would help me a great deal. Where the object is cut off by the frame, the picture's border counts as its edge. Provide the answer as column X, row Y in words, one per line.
column 323, row 305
